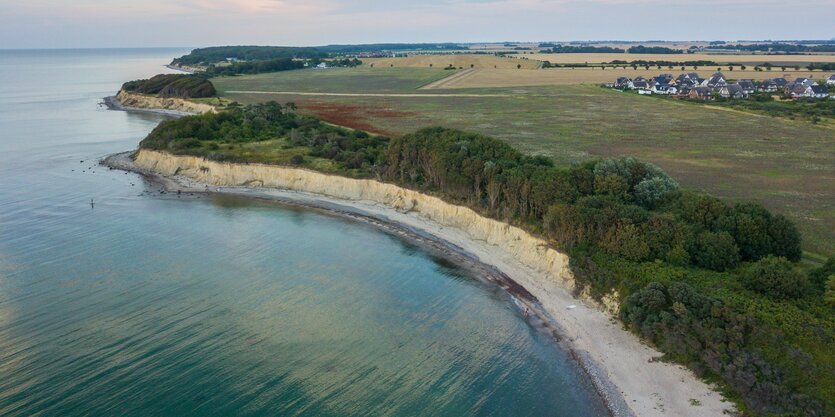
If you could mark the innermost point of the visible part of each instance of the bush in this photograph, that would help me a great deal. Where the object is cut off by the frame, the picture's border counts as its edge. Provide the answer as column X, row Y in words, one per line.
column 818, row 277
column 297, row 159
column 776, row 278
column 651, row 191
column 829, row 294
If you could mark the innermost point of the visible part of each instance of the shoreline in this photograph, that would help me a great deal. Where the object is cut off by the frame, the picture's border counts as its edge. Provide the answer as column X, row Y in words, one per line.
column 623, row 371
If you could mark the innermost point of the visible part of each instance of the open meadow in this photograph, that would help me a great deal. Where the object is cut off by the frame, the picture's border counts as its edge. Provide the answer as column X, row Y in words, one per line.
column 787, row 165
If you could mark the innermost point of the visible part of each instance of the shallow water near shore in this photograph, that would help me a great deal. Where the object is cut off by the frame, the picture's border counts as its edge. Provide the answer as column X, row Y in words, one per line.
column 153, row 305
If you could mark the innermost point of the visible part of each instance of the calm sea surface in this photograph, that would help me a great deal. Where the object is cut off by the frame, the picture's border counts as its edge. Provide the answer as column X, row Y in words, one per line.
column 149, row 305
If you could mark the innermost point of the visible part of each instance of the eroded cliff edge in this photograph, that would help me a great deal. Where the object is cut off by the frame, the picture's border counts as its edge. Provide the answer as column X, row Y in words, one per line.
column 130, row 101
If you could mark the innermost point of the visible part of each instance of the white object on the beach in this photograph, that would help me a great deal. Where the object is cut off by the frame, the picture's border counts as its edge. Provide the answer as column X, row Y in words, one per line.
column 571, row 307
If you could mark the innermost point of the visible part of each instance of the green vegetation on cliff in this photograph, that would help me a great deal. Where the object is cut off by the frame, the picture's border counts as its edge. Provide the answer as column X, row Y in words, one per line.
column 713, row 286
column 172, row 85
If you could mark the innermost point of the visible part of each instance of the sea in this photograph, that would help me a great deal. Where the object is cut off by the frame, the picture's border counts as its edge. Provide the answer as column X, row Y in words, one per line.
column 117, row 300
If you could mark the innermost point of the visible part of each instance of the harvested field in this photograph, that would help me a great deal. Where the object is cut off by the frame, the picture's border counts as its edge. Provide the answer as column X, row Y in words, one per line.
column 462, row 61
column 786, row 165
column 335, row 80
column 719, row 58
column 483, row 78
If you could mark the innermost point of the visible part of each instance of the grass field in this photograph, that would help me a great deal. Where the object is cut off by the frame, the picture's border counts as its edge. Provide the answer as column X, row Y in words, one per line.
column 456, row 60
column 786, row 165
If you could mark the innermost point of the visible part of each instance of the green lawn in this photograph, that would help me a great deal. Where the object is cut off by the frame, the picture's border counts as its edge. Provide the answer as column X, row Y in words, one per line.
column 787, row 165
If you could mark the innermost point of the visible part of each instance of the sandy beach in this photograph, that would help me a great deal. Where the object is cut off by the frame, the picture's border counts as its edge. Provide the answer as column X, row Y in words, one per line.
column 623, row 369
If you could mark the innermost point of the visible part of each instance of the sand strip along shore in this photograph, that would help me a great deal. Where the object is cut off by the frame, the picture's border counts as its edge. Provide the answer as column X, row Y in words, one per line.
column 619, row 364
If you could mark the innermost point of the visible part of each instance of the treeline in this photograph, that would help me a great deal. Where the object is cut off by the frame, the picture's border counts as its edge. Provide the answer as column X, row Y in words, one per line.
column 777, row 47
column 641, row 49
column 376, row 47
column 586, row 49
column 822, row 66
column 254, row 67
column 215, row 54
column 173, row 85
column 644, row 63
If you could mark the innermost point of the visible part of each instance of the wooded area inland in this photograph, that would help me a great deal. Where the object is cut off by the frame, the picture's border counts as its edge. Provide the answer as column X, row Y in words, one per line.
column 712, row 285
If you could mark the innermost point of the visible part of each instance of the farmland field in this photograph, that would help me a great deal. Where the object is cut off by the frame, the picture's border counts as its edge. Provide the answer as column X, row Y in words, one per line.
column 456, row 60
column 786, row 165
column 719, row 58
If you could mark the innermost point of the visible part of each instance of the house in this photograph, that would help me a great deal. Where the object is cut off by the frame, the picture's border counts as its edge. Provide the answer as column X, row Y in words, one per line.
column 796, row 90
column 830, row 80
column 716, row 80
column 664, row 89
column 663, row 79
column 703, row 93
column 805, row 81
column 747, row 86
column 322, row 65
column 780, row 82
column 732, row 91
column 818, row 91
column 623, row 82
column 640, row 85
column 768, row 86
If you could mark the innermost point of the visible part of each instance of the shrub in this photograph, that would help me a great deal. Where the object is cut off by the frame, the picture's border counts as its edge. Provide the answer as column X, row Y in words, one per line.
column 829, row 294
column 818, row 277
column 297, row 159
column 776, row 278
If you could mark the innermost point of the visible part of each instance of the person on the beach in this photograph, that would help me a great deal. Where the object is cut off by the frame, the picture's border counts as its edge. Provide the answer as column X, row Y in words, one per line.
column 526, row 312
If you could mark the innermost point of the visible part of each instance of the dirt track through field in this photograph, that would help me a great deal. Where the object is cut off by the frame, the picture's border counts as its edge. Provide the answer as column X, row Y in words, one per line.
column 452, row 79
column 307, row 93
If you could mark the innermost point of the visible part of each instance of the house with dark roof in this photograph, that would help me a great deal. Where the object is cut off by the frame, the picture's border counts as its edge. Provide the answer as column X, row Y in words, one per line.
column 830, row 80
column 796, row 90
column 747, row 86
column 702, row 93
column 818, row 91
column 667, row 89
column 623, row 82
column 716, row 80
column 732, row 91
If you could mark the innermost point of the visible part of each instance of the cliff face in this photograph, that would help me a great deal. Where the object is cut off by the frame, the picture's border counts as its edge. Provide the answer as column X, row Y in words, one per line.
column 525, row 248
column 141, row 101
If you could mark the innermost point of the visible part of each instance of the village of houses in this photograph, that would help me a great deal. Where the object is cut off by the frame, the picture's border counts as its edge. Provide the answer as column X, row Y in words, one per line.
column 689, row 85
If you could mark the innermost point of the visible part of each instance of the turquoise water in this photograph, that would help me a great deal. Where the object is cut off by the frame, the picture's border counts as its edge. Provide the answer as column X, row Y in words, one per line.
column 150, row 305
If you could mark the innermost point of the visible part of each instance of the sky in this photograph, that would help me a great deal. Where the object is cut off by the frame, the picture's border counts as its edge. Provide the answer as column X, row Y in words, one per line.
column 182, row 23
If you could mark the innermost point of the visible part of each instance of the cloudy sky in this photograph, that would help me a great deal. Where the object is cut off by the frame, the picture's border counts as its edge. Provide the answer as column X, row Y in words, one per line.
column 126, row 23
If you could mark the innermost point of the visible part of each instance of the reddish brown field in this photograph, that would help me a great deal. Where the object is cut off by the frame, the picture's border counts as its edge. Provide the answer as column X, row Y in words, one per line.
column 354, row 116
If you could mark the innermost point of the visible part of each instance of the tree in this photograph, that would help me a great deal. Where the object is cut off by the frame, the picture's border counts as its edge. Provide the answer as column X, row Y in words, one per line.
column 518, row 66
column 625, row 240
column 652, row 190
column 715, row 251
column 775, row 278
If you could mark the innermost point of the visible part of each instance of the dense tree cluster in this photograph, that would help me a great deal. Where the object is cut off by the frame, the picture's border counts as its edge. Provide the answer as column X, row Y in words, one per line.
column 585, row 49
column 172, row 85
column 350, row 149
column 255, row 67
column 627, row 207
column 215, row 54
column 641, row 49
